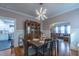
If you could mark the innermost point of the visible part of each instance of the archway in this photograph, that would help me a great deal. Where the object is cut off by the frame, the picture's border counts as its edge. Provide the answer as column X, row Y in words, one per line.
column 7, row 29
column 61, row 32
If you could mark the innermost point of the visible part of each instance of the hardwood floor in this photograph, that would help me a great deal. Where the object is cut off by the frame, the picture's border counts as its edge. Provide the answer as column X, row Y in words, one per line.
column 73, row 53
column 19, row 51
column 63, row 51
column 7, row 53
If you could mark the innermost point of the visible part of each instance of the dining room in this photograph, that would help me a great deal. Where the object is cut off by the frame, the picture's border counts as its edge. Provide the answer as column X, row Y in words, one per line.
column 43, row 29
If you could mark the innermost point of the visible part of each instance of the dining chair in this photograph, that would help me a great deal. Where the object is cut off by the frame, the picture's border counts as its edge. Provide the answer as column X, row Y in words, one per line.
column 45, row 49
column 55, row 47
column 28, row 50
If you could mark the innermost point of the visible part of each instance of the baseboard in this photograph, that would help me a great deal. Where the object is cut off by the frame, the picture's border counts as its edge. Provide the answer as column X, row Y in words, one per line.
column 76, row 49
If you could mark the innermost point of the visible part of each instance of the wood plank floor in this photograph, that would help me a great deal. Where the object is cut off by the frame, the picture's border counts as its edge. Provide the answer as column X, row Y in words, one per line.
column 64, row 49
column 7, row 53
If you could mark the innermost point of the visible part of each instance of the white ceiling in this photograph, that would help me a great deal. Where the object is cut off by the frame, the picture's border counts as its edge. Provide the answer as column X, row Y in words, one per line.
column 53, row 9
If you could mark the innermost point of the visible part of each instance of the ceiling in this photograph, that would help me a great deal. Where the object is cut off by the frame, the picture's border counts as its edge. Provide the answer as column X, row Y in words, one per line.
column 53, row 9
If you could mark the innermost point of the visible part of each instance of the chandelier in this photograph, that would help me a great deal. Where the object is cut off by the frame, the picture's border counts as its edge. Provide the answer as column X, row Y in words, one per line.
column 41, row 14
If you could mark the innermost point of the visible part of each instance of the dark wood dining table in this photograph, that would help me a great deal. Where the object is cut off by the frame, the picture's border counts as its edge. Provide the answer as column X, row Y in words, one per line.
column 38, row 44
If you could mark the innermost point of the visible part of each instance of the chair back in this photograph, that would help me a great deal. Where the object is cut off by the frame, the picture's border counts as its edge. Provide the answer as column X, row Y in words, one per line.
column 48, row 41
column 48, row 44
column 25, row 47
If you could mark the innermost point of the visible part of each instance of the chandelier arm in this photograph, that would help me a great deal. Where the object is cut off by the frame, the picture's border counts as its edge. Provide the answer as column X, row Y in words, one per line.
column 41, row 10
column 37, row 12
column 45, row 16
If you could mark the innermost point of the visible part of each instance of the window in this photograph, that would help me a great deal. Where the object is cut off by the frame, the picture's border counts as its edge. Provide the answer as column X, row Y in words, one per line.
column 2, row 25
column 56, row 29
column 64, row 29
column 68, row 29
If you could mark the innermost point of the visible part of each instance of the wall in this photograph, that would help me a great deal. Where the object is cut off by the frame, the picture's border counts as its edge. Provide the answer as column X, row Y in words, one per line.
column 19, row 23
column 71, row 17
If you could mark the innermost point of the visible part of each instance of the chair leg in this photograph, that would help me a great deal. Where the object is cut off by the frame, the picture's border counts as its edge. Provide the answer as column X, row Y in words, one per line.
column 12, row 50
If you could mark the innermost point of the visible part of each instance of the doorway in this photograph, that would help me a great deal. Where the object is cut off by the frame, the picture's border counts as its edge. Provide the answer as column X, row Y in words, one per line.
column 61, row 32
column 7, row 29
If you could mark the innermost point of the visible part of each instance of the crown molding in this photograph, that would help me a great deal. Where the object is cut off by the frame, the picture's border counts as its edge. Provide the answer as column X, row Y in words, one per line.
column 17, row 12
column 68, row 10
column 24, row 14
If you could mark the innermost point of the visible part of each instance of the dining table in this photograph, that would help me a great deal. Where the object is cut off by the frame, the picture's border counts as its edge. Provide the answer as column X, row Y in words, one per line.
column 36, row 45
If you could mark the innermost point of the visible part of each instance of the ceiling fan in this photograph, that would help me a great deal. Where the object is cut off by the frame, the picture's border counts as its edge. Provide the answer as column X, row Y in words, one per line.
column 41, row 14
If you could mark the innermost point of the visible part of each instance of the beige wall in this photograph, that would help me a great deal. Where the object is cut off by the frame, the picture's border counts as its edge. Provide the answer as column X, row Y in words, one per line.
column 19, row 22
column 69, row 17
